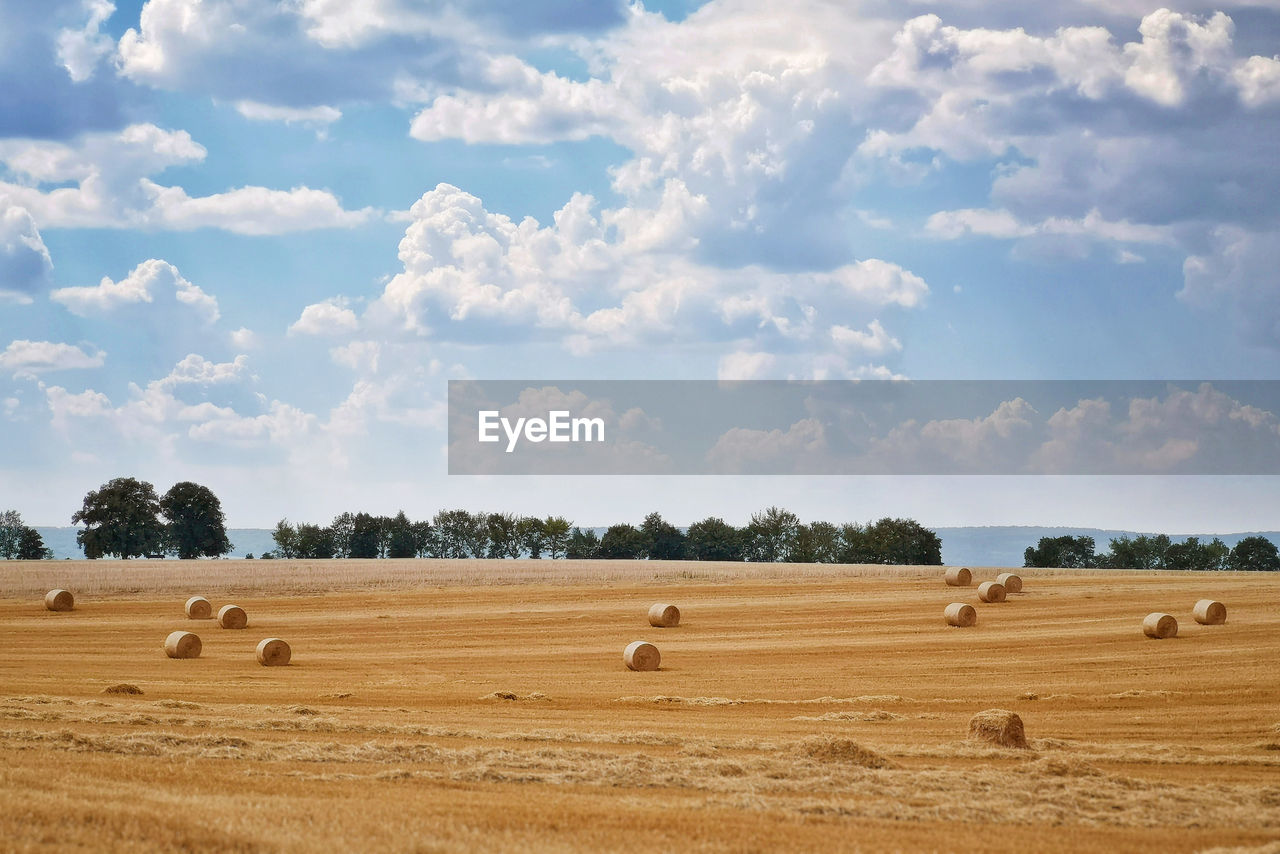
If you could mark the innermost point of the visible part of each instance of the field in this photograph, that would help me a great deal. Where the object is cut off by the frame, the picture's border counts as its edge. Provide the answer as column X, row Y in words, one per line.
column 483, row 705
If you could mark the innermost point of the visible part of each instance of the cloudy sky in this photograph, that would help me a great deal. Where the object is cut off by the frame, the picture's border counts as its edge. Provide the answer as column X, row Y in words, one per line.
column 247, row 243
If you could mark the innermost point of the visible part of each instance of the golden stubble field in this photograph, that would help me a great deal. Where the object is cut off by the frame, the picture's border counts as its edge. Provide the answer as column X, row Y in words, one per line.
column 483, row 705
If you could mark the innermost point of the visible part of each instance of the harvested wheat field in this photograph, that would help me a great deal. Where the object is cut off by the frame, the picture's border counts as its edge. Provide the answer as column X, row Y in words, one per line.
column 484, row 706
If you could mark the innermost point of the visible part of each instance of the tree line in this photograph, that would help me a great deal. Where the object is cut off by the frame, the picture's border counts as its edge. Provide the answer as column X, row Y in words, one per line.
column 773, row 534
column 1251, row 554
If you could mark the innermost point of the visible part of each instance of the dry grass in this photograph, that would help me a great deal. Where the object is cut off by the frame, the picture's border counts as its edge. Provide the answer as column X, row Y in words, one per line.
column 499, row 717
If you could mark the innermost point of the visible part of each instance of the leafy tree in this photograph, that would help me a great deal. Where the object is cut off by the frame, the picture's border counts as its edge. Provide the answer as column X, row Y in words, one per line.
column 664, row 541
column 555, row 532
column 1195, row 555
column 1140, row 552
column 817, row 542
column 400, row 539
column 121, row 519
column 452, row 528
column 475, row 533
column 314, row 542
column 856, row 545
column 342, row 527
column 11, row 528
column 424, row 539
column 501, row 531
column 31, row 546
column 714, row 539
column 196, row 526
column 623, row 542
column 531, row 535
column 366, row 536
column 899, row 541
column 286, row 537
column 772, row 534
column 1066, row 551
column 1254, row 554
column 583, row 545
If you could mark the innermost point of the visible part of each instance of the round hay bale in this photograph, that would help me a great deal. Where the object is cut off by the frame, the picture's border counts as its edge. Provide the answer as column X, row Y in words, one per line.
column 991, row 591
column 999, row 727
column 59, row 600
column 959, row 576
column 232, row 617
column 1160, row 626
column 273, row 652
column 640, row 655
column 1012, row 583
column 961, row 614
column 664, row 616
column 1210, row 612
column 198, row 608
column 182, row 645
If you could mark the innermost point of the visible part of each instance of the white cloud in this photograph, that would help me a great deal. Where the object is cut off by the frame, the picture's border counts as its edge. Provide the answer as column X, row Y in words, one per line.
column 875, row 341
column 326, row 318
column 28, row 358
column 25, row 265
column 144, row 283
column 244, row 339
column 80, row 51
column 800, row 449
column 65, row 406
column 113, row 188
column 467, row 269
column 743, row 365
column 321, row 115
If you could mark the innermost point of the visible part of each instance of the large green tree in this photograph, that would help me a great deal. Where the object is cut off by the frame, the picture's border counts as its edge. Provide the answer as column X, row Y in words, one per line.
column 582, row 545
column 1254, row 554
column 771, row 536
column 401, row 542
column 623, row 542
column 1066, row 551
column 714, row 539
column 121, row 518
column 11, row 528
column 31, row 546
column 195, row 525
column 556, row 535
column 663, row 541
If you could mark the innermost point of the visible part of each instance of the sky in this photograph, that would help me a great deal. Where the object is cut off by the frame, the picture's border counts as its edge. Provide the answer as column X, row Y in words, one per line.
column 248, row 243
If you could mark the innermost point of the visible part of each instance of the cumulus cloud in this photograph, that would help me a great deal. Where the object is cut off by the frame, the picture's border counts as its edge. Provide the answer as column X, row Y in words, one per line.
column 80, row 51
column 28, row 358
column 800, row 449
column 326, row 318
column 143, row 285
column 113, row 189
column 470, row 272
column 25, row 265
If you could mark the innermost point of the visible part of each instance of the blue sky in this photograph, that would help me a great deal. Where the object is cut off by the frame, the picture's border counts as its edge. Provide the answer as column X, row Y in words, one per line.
column 248, row 243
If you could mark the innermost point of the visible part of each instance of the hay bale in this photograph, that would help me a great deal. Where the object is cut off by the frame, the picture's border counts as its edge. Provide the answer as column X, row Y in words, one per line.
column 664, row 616
column 961, row 614
column 991, row 591
column 273, row 652
column 959, row 576
column 182, row 645
column 59, row 600
column 232, row 617
column 999, row 727
column 640, row 655
column 198, row 608
column 1160, row 626
column 1210, row 612
column 122, row 688
column 1012, row 583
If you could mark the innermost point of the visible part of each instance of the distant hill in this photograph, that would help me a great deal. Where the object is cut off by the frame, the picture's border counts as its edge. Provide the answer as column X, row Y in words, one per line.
column 1000, row 545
